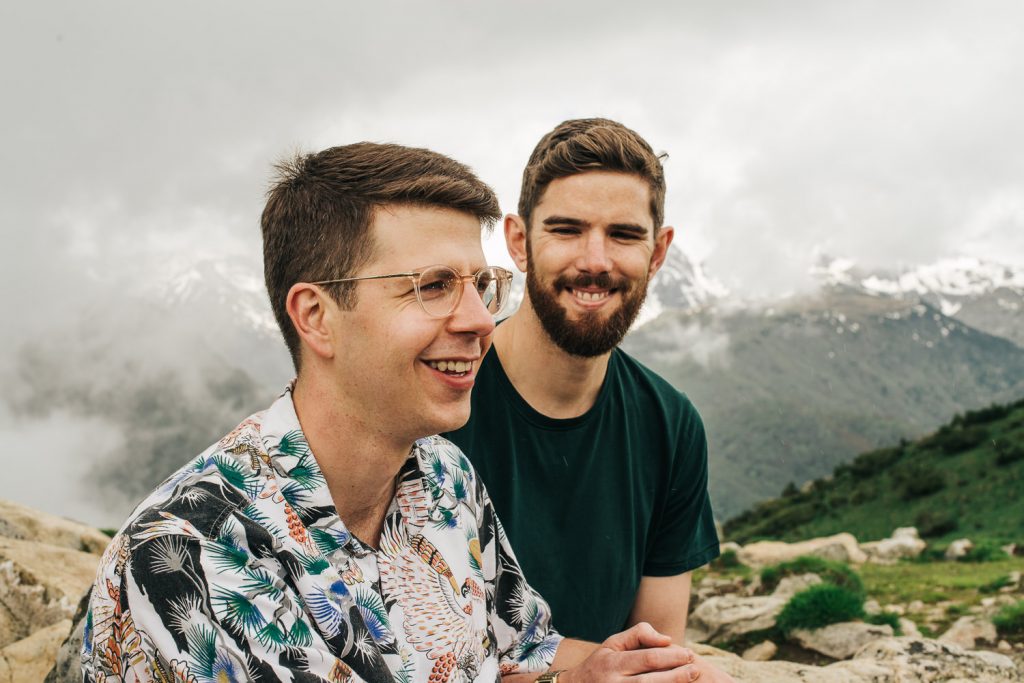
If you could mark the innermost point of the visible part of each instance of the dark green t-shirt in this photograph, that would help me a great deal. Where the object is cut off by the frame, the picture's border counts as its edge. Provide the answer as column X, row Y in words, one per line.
column 593, row 503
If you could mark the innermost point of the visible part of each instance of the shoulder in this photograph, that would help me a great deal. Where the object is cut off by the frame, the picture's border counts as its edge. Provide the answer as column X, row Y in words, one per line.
column 446, row 469
column 650, row 391
column 194, row 500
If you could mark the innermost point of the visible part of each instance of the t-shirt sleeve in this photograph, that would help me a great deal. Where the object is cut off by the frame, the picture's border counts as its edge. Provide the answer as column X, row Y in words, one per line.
column 683, row 536
column 519, row 617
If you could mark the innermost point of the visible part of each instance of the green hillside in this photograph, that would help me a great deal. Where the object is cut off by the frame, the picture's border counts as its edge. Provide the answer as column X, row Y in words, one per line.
column 966, row 479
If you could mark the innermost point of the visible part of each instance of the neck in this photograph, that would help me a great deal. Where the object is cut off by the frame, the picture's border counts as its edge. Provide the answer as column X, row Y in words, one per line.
column 359, row 461
column 553, row 382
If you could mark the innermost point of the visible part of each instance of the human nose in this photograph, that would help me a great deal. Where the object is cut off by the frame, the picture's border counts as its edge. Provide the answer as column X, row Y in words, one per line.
column 594, row 257
column 470, row 313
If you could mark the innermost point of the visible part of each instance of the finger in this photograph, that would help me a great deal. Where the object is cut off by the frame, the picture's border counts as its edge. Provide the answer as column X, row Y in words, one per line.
column 653, row 659
column 682, row 674
column 638, row 636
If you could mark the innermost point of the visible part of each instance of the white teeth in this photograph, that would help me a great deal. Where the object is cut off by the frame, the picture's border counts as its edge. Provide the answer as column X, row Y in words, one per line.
column 590, row 296
column 454, row 366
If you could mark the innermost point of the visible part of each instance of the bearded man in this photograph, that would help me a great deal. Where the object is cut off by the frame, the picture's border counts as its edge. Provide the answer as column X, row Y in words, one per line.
column 596, row 465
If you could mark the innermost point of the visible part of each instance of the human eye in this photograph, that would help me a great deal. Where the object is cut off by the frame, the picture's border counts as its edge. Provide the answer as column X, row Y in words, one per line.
column 434, row 284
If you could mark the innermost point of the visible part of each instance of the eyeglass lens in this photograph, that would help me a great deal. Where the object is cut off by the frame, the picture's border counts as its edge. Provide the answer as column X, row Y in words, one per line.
column 440, row 288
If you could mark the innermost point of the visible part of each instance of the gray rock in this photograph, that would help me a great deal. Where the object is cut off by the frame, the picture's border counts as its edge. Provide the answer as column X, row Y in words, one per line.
column 68, row 668
column 762, row 652
column 970, row 632
column 904, row 543
column 927, row 661
column 725, row 617
column 791, row 585
column 958, row 548
column 841, row 641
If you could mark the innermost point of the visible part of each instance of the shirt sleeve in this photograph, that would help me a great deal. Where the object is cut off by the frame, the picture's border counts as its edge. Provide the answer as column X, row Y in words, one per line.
column 519, row 617
column 684, row 536
column 155, row 614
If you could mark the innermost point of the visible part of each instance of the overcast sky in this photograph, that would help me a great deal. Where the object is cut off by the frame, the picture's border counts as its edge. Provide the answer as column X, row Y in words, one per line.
column 138, row 136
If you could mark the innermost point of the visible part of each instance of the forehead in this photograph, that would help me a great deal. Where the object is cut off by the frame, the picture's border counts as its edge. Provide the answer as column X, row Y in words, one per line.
column 409, row 236
column 598, row 197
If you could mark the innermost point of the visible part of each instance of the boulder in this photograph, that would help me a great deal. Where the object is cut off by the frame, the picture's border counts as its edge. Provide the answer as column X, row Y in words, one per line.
column 840, row 641
column 840, row 547
column 959, row 548
column 904, row 543
column 909, row 628
column 791, row 585
column 728, row 616
column 921, row 659
column 40, row 585
column 853, row 671
column 762, row 652
column 25, row 524
column 28, row 659
column 970, row 632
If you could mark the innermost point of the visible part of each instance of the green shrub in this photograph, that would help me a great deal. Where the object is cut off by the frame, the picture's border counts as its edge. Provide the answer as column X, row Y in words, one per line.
column 918, row 480
column 983, row 552
column 727, row 560
column 1007, row 454
column 868, row 464
column 1010, row 621
column 934, row 523
column 994, row 586
column 956, row 610
column 835, row 573
column 953, row 440
column 994, row 412
column 819, row 606
column 109, row 532
column 890, row 618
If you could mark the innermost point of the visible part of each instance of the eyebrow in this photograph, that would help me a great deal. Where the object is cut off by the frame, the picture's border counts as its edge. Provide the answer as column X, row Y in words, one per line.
column 565, row 220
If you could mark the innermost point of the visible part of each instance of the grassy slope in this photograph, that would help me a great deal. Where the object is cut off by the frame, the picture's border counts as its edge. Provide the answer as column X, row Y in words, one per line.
column 873, row 495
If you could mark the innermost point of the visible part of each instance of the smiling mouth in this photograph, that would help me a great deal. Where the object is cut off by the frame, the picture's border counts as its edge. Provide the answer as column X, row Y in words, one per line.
column 590, row 297
column 455, row 368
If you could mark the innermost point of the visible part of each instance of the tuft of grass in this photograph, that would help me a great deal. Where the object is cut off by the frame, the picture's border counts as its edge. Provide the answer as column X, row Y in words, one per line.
column 1010, row 621
column 727, row 560
column 983, row 552
column 832, row 572
column 819, row 606
column 890, row 618
column 994, row 586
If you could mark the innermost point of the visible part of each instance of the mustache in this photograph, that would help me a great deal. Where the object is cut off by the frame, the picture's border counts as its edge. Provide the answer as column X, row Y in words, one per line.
column 601, row 280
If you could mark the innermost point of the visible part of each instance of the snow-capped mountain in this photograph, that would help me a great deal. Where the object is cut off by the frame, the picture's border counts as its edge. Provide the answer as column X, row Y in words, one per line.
column 985, row 295
column 680, row 285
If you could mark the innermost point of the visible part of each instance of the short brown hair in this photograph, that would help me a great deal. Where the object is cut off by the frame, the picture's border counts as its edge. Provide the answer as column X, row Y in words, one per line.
column 316, row 224
column 581, row 145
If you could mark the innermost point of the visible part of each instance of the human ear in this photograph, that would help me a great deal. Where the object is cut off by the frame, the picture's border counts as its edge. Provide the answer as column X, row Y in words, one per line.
column 662, row 240
column 309, row 310
column 515, row 240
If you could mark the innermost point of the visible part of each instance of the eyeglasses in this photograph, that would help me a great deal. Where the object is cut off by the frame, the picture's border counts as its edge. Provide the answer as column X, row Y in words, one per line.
column 439, row 288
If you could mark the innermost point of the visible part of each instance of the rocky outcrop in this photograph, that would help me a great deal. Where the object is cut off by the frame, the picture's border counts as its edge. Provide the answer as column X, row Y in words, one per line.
column 840, row 547
column 959, row 548
column 840, row 641
column 46, row 565
column 28, row 659
column 970, row 632
column 25, row 524
column 885, row 660
column 728, row 616
column 905, row 543
column 920, row 659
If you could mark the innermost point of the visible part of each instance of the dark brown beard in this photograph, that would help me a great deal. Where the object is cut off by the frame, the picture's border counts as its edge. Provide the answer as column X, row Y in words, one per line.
column 592, row 334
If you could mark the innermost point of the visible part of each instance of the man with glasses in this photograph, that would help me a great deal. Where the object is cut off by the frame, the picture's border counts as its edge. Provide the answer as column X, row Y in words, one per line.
column 597, row 466
column 332, row 537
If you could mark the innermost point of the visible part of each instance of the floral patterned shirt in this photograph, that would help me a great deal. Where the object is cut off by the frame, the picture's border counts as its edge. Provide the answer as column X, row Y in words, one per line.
column 238, row 568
